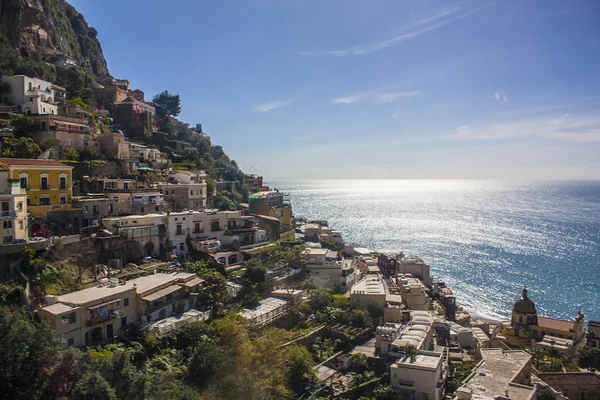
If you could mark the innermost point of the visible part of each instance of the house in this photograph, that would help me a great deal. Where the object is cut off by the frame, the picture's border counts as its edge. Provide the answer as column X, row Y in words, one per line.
column 104, row 311
column 274, row 204
column 230, row 229
column 420, row 377
column 501, row 374
column 269, row 310
column 394, row 339
column 413, row 292
column 137, row 94
column 369, row 290
column 113, row 145
column 144, row 235
column 326, row 270
column 136, row 117
column 96, row 207
column 63, row 61
column 105, row 96
column 186, row 190
column 32, row 96
column 13, row 214
column 48, row 185
column 74, row 133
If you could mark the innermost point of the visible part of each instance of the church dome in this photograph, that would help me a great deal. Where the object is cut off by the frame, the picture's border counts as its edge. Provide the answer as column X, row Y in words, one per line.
column 524, row 305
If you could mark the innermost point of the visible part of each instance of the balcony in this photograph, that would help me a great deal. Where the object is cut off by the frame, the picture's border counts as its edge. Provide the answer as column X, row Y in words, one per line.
column 8, row 214
column 102, row 318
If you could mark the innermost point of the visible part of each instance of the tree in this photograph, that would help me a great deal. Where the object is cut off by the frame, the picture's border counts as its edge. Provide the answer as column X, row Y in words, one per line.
column 22, row 147
column 72, row 154
column 28, row 354
column 48, row 143
column 340, row 301
column 22, row 124
column 167, row 104
column 359, row 363
column 384, row 392
column 87, row 153
column 299, row 372
column 375, row 311
column 92, row 386
column 589, row 357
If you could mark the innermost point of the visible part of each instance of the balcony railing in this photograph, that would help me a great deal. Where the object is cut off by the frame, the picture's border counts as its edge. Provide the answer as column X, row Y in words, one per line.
column 6, row 214
column 103, row 318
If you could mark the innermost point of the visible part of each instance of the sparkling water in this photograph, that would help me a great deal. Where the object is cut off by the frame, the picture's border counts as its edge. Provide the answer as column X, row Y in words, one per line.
column 486, row 239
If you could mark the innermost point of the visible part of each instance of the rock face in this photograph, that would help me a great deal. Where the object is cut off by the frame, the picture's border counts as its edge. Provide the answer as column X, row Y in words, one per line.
column 38, row 29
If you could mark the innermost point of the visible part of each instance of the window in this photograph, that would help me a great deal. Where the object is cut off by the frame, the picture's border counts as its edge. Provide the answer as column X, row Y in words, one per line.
column 5, row 208
column 179, row 230
column 24, row 182
column 191, row 192
column 43, row 125
column 214, row 226
column 70, row 342
column 45, row 201
column 70, row 318
column 31, row 87
column 126, row 302
column 95, row 209
column 110, row 208
column 7, row 224
column 63, row 199
column 166, row 192
column 44, row 183
column 85, row 209
column 182, row 246
column 197, row 227
column 123, row 321
column 142, row 209
column 20, row 206
column 63, row 182
column 125, row 185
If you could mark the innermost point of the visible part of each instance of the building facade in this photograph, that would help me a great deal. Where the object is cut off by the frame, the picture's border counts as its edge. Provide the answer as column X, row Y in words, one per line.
column 135, row 116
column 102, row 312
column 72, row 133
column 13, row 214
column 32, row 96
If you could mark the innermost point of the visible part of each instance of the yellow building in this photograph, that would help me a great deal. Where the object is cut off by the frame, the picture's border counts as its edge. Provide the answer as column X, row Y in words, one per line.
column 525, row 327
column 48, row 185
column 274, row 204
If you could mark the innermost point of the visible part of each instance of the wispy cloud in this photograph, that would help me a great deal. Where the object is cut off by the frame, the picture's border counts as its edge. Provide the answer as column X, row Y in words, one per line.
column 501, row 96
column 446, row 17
column 393, row 96
column 583, row 129
column 266, row 107
column 346, row 100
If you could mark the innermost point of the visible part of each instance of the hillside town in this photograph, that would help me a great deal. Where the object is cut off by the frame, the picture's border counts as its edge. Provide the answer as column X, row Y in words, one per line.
column 127, row 235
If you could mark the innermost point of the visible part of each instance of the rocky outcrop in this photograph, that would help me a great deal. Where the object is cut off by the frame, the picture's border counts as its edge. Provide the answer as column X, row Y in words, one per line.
column 39, row 29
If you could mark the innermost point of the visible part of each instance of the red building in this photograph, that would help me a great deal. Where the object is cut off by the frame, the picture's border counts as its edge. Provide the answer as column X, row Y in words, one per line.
column 136, row 117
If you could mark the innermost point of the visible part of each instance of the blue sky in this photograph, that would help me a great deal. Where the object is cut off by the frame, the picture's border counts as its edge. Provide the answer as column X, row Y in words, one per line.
column 373, row 89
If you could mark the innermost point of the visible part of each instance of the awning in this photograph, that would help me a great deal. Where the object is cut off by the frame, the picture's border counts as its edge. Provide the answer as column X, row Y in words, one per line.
column 162, row 293
column 193, row 282
column 103, row 304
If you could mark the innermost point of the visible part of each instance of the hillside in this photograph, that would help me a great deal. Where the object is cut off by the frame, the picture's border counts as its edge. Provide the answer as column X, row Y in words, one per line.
column 34, row 32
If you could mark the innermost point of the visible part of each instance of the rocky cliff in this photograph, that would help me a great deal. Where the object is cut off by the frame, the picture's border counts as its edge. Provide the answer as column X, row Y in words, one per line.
column 34, row 32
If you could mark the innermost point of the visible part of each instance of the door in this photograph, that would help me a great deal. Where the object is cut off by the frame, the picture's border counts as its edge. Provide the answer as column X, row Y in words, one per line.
column 109, row 331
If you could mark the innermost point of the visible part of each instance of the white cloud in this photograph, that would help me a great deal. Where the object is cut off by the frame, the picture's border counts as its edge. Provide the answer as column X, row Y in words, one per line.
column 501, row 96
column 583, row 129
column 417, row 30
column 265, row 107
column 393, row 96
column 346, row 100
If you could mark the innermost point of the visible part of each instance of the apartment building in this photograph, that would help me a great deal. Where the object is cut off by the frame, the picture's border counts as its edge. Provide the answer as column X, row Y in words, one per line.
column 421, row 377
column 99, row 313
column 326, row 270
column 32, row 96
column 13, row 214
column 72, row 133
column 186, row 190
column 276, row 205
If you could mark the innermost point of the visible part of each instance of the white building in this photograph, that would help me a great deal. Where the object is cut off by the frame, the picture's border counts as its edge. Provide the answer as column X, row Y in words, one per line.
column 394, row 338
column 421, row 378
column 413, row 293
column 13, row 214
column 327, row 271
column 32, row 95
column 370, row 289
column 416, row 267
column 269, row 310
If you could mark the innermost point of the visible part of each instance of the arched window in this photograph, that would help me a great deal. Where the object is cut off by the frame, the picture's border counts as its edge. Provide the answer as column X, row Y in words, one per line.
column 182, row 246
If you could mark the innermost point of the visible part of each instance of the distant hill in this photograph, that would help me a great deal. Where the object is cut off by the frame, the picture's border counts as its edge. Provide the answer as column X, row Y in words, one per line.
column 33, row 33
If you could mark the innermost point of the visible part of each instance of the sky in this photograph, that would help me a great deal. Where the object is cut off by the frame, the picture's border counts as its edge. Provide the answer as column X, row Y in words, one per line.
column 373, row 89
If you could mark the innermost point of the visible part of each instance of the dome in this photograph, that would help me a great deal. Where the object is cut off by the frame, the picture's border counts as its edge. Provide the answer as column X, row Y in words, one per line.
column 524, row 305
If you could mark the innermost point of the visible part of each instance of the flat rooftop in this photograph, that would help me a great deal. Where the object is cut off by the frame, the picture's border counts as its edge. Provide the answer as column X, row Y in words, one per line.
column 372, row 284
column 424, row 360
column 495, row 375
column 141, row 285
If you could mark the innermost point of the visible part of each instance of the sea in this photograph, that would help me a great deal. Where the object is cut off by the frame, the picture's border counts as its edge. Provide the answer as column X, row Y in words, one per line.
column 486, row 239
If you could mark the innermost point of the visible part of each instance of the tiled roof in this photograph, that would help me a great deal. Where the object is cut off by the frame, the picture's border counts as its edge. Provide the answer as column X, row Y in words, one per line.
column 32, row 162
column 557, row 379
column 556, row 324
